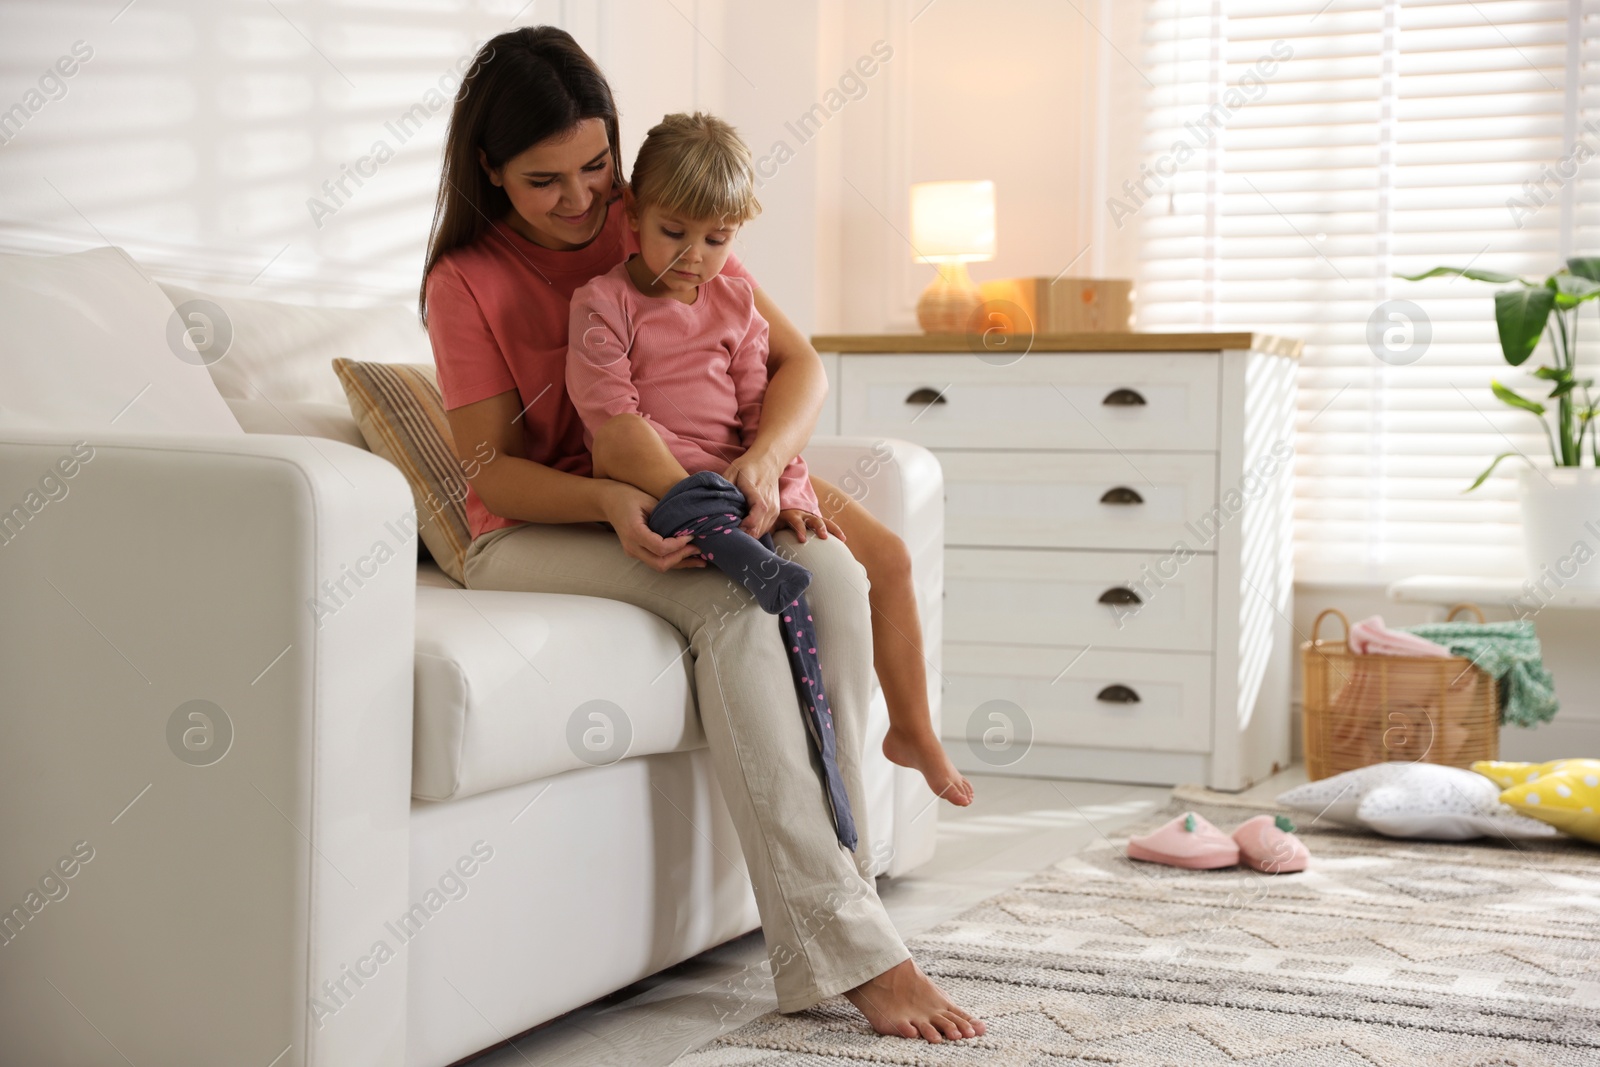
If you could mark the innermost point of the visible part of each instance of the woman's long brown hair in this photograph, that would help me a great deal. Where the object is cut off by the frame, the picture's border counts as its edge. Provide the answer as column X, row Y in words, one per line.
column 524, row 86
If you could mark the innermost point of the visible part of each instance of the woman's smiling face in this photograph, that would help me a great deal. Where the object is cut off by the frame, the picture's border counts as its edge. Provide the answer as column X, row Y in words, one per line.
column 558, row 188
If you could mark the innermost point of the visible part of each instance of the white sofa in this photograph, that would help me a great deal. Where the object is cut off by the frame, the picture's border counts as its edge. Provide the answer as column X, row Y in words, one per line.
column 398, row 858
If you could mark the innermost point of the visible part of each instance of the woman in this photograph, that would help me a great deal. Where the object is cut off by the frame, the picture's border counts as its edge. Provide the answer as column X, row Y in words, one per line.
column 529, row 210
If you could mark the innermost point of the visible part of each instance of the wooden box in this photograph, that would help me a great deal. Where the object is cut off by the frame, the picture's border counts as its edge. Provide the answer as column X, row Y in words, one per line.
column 1065, row 305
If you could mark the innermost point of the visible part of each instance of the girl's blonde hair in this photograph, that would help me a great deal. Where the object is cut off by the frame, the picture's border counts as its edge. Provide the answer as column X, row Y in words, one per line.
column 696, row 166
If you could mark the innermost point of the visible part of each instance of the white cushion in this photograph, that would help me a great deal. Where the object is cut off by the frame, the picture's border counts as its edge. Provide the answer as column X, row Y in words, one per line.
column 1420, row 800
column 429, row 574
column 512, row 687
column 88, row 344
column 286, row 351
column 332, row 421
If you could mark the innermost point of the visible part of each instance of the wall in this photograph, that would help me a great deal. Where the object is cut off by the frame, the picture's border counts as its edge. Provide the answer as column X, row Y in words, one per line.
column 199, row 135
column 1033, row 94
column 196, row 132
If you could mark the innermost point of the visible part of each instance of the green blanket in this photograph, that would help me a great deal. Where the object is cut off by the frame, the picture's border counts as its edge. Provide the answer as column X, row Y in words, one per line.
column 1508, row 652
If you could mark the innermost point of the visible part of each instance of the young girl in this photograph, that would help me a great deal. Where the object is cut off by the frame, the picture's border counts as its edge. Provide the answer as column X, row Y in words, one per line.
column 667, row 367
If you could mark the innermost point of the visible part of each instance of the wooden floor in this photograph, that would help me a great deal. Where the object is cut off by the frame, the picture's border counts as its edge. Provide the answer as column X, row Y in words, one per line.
column 1015, row 827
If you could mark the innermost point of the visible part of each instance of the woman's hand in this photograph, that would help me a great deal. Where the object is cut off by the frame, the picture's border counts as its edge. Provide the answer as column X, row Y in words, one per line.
column 802, row 521
column 626, row 509
column 756, row 476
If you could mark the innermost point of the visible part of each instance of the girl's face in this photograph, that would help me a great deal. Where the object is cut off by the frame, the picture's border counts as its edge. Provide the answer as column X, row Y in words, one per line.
column 679, row 253
column 558, row 188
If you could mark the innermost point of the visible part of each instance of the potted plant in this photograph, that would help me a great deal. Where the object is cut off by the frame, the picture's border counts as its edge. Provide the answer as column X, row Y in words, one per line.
column 1560, row 507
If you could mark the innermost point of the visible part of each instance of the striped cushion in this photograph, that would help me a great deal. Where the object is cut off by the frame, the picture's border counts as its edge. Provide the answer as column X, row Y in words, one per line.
column 401, row 415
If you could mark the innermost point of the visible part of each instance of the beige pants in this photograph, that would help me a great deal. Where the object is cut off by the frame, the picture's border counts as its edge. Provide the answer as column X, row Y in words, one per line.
column 825, row 928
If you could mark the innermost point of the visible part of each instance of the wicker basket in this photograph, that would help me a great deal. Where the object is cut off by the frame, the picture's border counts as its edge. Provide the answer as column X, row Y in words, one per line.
column 1361, row 710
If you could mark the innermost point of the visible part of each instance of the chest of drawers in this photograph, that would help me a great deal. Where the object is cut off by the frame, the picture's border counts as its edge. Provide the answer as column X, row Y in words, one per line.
column 1117, row 531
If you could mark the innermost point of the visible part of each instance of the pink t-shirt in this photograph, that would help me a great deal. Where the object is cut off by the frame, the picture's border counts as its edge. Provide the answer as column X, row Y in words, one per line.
column 497, row 318
column 696, row 372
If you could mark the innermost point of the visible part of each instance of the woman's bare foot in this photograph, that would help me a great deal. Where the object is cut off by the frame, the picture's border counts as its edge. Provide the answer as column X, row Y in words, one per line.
column 924, row 753
column 904, row 1002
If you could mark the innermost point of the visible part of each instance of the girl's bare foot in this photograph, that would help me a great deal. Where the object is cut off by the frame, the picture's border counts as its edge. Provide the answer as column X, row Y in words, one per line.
column 924, row 753
column 904, row 1002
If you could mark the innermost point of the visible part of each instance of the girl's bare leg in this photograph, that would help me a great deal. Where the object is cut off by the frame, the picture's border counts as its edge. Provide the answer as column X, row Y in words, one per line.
column 897, row 651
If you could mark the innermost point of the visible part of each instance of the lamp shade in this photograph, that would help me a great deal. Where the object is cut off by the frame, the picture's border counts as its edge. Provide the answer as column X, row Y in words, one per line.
column 952, row 222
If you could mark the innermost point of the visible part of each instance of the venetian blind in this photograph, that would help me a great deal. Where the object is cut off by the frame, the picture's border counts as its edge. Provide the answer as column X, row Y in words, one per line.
column 1298, row 154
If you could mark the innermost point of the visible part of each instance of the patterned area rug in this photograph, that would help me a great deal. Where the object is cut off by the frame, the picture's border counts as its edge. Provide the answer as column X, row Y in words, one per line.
column 1388, row 953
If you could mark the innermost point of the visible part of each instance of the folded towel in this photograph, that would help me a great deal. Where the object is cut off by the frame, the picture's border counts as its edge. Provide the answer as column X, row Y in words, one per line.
column 1370, row 637
column 1508, row 652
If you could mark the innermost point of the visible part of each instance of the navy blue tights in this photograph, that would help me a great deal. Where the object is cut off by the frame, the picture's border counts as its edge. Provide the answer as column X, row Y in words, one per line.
column 708, row 508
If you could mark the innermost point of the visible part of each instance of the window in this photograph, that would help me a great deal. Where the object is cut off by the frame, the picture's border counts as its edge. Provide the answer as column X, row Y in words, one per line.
column 1297, row 156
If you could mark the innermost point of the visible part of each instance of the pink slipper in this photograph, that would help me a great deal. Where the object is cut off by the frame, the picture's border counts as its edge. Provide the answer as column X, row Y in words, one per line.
column 1267, row 843
column 1187, row 841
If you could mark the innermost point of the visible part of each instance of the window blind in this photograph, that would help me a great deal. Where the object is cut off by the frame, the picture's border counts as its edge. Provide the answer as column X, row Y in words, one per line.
column 1300, row 154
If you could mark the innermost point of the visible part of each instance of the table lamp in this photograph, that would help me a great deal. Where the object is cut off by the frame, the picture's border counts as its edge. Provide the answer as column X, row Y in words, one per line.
column 952, row 224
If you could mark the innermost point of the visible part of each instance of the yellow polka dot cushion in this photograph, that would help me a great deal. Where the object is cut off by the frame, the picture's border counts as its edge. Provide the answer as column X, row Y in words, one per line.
column 1564, row 793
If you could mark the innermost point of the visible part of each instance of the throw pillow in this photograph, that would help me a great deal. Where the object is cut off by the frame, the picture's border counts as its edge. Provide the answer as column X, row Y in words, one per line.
column 282, row 351
column 1418, row 800
column 1338, row 798
column 92, row 344
column 1506, row 775
column 1563, row 793
column 401, row 416
column 326, row 421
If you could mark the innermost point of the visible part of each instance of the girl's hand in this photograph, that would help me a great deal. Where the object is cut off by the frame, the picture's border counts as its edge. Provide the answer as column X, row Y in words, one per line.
column 757, row 478
column 626, row 509
column 801, row 521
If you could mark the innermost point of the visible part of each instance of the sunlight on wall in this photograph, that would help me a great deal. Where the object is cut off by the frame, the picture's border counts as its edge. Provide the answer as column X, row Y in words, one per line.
column 286, row 148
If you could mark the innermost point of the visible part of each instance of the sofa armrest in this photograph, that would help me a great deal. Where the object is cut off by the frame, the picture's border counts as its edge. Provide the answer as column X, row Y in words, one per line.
column 179, row 879
column 902, row 485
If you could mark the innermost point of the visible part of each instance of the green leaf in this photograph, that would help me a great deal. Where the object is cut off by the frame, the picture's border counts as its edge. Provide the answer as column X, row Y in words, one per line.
column 1563, row 378
column 1520, row 315
column 1585, row 267
column 1515, row 400
column 1464, row 272
column 1571, row 290
column 1490, row 470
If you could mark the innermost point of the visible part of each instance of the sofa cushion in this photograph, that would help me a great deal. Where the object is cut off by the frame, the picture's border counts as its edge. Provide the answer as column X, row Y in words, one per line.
column 330, row 421
column 401, row 416
column 512, row 687
column 429, row 574
column 285, row 351
column 92, row 343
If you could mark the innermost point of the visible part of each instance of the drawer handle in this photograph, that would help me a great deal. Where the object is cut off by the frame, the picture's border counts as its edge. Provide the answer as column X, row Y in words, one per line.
column 926, row 396
column 1120, row 594
column 1124, row 398
column 1121, row 495
column 1118, row 694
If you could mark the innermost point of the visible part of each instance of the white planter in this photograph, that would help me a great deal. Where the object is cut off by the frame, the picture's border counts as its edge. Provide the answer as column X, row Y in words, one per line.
column 1561, row 525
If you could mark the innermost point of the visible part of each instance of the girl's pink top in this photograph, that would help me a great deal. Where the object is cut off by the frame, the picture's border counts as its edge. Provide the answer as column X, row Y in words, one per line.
column 497, row 318
column 696, row 372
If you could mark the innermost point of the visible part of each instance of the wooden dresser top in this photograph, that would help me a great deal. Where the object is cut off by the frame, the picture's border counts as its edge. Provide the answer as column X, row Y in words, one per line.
column 1058, row 342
